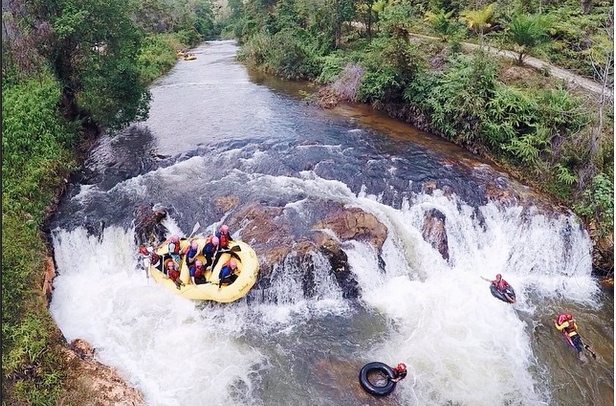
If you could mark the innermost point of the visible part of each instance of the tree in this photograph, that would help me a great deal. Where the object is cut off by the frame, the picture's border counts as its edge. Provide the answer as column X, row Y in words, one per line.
column 443, row 24
column 528, row 32
column 92, row 47
column 479, row 20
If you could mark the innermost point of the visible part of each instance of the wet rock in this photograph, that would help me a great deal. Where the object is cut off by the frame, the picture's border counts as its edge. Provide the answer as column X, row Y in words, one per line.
column 48, row 277
column 355, row 224
column 602, row 253
column 275, row 238
column 434, row 232
column 148, row 227
column 94, row 383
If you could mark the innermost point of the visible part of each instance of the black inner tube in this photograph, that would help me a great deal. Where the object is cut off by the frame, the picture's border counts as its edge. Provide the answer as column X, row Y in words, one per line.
column 371, row 388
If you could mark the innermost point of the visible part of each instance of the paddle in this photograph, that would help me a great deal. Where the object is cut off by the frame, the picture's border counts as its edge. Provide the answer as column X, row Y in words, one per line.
column 194, row 230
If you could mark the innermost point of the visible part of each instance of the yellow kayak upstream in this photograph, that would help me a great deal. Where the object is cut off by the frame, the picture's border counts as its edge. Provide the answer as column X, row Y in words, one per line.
column 247, row 272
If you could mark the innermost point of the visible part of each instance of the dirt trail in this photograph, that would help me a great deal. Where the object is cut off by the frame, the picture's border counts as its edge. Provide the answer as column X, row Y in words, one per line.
column 568, row 76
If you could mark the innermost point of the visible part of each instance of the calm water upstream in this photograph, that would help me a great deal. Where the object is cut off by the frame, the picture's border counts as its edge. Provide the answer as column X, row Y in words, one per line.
column 216, row 130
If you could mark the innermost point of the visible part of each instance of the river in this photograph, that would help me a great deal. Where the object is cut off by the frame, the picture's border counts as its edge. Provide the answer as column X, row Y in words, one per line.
column 217, row 130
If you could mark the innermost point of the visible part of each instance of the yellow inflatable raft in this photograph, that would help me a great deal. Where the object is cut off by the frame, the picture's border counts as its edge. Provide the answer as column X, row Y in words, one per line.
column 247, row 271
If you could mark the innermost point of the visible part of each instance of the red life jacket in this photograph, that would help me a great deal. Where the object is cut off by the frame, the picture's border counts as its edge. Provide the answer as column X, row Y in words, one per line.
column 154, row 258
column 571, row 328
column 176, row 248
column 198, row 271
column 223, row 240
column 500, row 285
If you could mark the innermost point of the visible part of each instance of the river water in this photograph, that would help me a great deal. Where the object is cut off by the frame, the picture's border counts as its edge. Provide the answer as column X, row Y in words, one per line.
column 216, row 130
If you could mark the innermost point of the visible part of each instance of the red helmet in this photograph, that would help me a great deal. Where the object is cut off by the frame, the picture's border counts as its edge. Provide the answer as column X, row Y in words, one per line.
column 143, row 249
column 568, row 316
column 232, row 263
column 224, row 229
column 498, row 276
column 401, row 367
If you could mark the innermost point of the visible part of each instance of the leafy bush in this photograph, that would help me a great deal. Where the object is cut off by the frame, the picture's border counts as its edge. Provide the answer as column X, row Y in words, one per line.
column 598, row 203
column 158, row 55
column 36, row 157
column 456, row 103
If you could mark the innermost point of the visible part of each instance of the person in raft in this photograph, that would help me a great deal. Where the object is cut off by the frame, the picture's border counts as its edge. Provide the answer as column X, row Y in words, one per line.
column 209, row 249
column 566, row 323
column 174, row 274
column 197, row 273
column 224, row 237
column 227, row 273
column 192, row 250
column 173, row 248
column 500, row 284
column 152, row 258
column 399, row 372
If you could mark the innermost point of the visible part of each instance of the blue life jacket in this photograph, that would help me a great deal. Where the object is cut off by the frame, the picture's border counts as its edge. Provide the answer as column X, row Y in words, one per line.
column 224, row 272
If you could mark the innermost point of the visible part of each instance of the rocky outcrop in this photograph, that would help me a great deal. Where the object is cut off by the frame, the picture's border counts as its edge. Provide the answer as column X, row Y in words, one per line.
column 271, row 232
column 93, row 383
column 148, row 227
column 434, row 232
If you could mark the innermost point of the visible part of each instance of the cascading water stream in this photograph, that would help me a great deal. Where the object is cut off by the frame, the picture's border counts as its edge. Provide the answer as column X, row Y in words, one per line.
column 280, row 346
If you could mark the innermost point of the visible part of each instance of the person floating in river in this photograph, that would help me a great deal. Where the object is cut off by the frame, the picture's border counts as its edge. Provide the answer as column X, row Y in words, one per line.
column 399, row 372
column 501, row 285
column 566, row 323
column 227, row 273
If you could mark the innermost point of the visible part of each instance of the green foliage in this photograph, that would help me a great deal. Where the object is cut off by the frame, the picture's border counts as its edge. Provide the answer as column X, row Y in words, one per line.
column 36, row 156
column 390, row 65
column 331, row 67
column 597, row 203
column 478, row 21
column 158, row 55
column 444, row 25
column 510, row 113
column 396, row 20
column 457, row 100
column 92, row 47
column 290, row 57
column 528, row 32
column 562, row 112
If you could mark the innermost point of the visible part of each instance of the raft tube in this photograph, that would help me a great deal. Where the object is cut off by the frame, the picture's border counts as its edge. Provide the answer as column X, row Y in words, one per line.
column 372, row 388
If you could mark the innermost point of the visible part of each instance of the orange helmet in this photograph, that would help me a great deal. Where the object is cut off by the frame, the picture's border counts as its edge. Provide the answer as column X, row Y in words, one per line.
column 401, row 367
column 170, row 265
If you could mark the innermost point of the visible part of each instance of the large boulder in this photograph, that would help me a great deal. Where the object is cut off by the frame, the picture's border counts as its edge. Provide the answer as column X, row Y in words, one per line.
column 148, row 225
column 93, row 383
column 274, row 236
